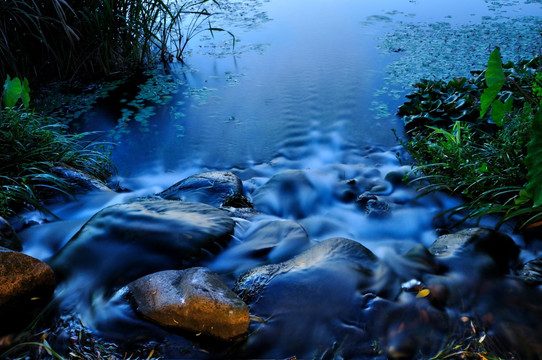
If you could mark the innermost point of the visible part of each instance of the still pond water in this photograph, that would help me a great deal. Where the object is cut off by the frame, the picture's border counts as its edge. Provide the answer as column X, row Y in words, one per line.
column 310, row 86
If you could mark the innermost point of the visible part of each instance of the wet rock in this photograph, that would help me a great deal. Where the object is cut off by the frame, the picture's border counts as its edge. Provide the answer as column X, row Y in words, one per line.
column 8, row 237
column 195, row 299
column 322, row 289
column 79, row 181
column 293, row 194
column 500, row 247
column 126, row 241
column 242, row 213
column 250, row 284
column 26, row 285
column 373, row 206
column 400, row 176
column 531, row 272
column 264, row 242
column 216, row 188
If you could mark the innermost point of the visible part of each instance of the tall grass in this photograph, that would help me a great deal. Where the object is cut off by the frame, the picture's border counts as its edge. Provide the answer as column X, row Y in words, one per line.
column 61, row 39
column 30, row 147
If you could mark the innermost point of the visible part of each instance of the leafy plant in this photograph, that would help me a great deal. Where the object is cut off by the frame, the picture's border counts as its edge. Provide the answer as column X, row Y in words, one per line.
column 495, row 79
column 15, row 90
column 492, row 161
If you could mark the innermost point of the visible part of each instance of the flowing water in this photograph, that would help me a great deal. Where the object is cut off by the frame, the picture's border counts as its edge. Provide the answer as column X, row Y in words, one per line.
column 309, row 86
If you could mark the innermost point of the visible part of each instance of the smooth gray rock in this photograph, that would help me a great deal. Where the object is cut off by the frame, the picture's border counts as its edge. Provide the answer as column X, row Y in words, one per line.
column 216, row 188
column 26, row 285
column 126, row 241
column 195, row 299
column 8, row 237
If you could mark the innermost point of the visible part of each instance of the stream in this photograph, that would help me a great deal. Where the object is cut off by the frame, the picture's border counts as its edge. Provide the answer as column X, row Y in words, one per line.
column 302, row 110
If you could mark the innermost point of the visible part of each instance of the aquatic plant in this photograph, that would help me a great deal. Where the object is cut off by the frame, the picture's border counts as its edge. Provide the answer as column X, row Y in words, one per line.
column 31, row 145
column 89, row 38
column 481, row 138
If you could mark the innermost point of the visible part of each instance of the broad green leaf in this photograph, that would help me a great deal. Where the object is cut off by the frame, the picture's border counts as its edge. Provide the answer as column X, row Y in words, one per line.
column 494, row 80
column 533, row 161
column 499, row 110
column 12, row 91
column 494, row 74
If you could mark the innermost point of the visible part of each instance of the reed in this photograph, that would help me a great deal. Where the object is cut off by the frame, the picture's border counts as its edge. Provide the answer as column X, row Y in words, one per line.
column 60, row 39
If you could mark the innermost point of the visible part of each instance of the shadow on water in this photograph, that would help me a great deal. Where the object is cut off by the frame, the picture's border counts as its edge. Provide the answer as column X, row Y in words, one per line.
column 301, row 111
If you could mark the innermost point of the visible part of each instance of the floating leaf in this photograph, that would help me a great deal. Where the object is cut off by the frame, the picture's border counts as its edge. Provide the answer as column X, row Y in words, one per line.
column 423, row 293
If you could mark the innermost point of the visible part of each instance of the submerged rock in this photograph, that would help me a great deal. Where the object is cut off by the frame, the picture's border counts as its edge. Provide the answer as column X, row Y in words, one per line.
column 216, row 188
column 195, row 299
column 126, row 241
column 264, row 242
column 373, row 206
column 8, row 237
column 26, row 285
column 293, row 194
column 500, row 247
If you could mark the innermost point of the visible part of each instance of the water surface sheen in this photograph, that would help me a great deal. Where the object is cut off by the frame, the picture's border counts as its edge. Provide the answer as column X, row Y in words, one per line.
column 302, row 110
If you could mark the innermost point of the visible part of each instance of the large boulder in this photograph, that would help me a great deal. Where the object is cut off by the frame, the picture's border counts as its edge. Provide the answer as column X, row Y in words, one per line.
column 322, row 291
column 196, row 300
column 8, row 237
column 26, row 285
column 126, row 241
column 216, row 188
column 478, row 241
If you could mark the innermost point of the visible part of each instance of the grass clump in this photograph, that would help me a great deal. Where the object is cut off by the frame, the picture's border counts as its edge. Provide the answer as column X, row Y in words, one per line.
column 31, row 146
column 474, row 138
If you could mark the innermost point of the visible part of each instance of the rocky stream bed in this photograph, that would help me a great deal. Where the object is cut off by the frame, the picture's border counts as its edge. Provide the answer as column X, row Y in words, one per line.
column 207, row 269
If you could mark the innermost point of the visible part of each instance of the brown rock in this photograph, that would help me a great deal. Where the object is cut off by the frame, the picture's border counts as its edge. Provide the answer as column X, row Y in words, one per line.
column 195, row 299
column 26, row 284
